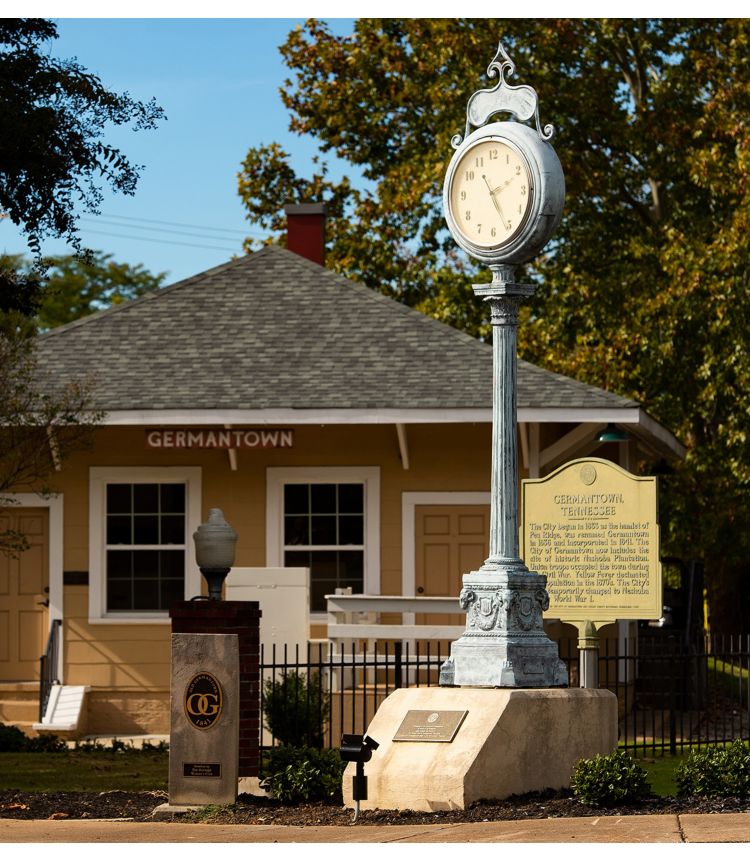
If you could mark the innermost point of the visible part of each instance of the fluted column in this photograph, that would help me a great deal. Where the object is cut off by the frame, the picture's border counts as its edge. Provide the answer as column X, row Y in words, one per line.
column 504, row 644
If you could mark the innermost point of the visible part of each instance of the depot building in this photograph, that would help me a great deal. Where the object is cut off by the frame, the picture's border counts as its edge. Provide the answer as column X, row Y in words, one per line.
column 338, row 430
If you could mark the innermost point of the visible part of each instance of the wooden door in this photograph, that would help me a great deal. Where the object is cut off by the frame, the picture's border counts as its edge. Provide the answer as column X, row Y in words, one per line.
column 24, row 584
column 450, row 540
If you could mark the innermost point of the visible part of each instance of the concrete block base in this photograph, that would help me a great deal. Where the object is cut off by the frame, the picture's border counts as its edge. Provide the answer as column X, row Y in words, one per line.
column 512, row 741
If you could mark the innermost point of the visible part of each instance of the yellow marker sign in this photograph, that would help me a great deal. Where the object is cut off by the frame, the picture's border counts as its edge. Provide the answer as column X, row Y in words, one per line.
column 592, row 528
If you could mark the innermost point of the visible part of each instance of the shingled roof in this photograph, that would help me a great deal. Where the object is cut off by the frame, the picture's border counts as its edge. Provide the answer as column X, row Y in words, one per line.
column 273, row 330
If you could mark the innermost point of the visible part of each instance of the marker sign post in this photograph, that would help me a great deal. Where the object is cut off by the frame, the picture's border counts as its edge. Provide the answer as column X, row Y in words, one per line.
column 592, row 529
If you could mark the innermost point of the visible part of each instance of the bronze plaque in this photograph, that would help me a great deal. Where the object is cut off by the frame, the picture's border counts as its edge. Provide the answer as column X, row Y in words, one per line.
column 202, row 768
column 591, row 528
column 203, row 700
column 437, row 726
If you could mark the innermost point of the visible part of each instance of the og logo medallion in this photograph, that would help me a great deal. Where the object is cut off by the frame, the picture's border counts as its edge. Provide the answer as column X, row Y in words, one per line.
column 203, row 700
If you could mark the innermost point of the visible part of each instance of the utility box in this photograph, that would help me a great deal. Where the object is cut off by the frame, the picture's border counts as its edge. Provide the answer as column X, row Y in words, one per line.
column 284, row 597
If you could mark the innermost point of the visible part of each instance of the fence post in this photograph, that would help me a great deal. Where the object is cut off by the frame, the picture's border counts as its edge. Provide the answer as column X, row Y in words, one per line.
column 398, row 679
column 588, row 647
column 672, row 703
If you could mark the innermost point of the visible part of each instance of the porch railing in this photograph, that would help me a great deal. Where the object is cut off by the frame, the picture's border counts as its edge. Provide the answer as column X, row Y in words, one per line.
column 358, row 616
column 48, row 667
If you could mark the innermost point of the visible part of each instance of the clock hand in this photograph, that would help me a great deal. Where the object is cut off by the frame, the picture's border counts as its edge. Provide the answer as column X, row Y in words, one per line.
column 497, row 205
column 503, row 186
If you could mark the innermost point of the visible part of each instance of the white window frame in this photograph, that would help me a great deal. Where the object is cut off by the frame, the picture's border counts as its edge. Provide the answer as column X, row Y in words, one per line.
column 369, row 476
column 99, row 477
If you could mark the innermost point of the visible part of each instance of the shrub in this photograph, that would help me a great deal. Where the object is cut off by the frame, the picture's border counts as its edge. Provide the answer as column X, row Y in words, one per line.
column 46, row 743
column 294, row 707
column 608, row 780
column 293, row 774
column 715, row 772
column 12, row 739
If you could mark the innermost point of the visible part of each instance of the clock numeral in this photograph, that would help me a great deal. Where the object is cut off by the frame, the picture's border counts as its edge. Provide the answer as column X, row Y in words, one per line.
column 480, row 161
column 520, row 208
column 493, row 155
column 468, row 214
column 523, row 190
column 510, row 225
column 507, row 158
column 493, row 232
column 463, row 195
column 479, row 228
column 469, row 175
column 518, row 170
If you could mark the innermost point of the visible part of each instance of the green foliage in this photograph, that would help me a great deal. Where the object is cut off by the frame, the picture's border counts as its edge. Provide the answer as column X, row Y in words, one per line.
column 76, row 287
column 54, row 115
column 12, row 739
column 715, row 772
column 294, row 708
column 72, row 287
column 644, row 289
column 609, row 780
column 293, row 774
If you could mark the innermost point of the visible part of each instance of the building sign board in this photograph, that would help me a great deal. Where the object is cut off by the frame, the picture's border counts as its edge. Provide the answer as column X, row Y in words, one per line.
column 239, row 438
column 592, row 528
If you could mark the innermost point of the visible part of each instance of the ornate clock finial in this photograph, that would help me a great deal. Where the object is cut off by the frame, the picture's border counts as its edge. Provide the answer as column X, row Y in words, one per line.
column 522, row 102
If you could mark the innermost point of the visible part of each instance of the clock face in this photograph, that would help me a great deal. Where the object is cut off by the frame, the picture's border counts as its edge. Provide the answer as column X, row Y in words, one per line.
column 490, row 193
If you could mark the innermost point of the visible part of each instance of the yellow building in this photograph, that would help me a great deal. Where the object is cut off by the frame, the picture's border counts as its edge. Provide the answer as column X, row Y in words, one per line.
column 337, row 429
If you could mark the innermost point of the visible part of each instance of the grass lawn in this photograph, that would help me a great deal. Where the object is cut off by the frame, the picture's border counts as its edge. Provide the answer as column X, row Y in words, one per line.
column 660, row 772
column 84, row 771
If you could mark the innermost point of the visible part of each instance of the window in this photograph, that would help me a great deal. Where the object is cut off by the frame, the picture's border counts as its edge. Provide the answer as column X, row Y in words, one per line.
column 324, row 530
column 141, row 550
column 142, row 519
column 326, row 520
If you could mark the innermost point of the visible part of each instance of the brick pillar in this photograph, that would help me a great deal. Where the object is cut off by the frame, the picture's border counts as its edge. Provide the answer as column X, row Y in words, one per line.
column 243, row 618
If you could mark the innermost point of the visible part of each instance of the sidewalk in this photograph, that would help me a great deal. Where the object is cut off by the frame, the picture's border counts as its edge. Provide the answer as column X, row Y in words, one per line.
column 730, row 827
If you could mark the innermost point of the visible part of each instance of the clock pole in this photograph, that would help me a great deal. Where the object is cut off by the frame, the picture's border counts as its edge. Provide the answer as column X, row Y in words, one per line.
column 504, row 643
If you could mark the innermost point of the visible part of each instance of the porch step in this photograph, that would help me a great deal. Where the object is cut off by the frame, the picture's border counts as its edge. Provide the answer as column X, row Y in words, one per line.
column 64, row 709
column 19, row 704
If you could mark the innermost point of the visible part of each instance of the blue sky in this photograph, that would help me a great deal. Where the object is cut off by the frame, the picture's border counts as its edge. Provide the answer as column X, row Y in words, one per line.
column 218, row 83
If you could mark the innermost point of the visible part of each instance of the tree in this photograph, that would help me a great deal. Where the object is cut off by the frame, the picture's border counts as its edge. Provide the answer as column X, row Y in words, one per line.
column 38, row 428
column 53, row 114
column 75, row 287
column 644, row 289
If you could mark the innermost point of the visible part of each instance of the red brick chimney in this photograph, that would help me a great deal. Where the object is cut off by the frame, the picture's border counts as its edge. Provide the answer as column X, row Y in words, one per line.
column 306, row 230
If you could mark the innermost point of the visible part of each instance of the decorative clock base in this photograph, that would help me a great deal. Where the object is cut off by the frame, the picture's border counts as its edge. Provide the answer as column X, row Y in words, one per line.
column 504, row 644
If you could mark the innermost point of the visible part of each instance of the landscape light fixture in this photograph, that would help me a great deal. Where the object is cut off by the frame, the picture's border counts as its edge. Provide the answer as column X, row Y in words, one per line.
column 359, row 749
column 214, row 551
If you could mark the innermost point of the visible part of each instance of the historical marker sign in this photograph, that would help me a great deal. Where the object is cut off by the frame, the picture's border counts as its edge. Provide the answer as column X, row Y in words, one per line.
column 592, row 528
column 435, row 726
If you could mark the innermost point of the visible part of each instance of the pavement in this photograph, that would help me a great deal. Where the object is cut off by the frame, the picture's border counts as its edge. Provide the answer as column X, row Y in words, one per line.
column 725, row 827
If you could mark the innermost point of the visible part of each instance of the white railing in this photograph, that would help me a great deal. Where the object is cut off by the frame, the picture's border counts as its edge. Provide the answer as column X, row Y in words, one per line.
column 357, row 616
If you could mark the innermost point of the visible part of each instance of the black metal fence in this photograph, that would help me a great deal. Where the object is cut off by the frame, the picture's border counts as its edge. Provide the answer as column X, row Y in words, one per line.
column 671, row 694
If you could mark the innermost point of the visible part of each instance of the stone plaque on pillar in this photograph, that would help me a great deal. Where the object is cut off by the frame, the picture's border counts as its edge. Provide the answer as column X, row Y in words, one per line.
column 204, row 725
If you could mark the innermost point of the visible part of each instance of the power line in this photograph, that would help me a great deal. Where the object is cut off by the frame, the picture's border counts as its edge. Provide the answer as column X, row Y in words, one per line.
column 162, row 241
column 108, row 223
column 190, row 226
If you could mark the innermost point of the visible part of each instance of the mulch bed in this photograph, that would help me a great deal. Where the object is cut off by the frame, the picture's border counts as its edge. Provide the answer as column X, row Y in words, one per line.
column 138, row 806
